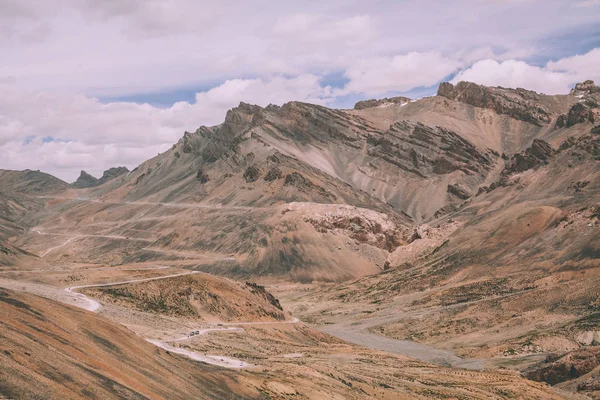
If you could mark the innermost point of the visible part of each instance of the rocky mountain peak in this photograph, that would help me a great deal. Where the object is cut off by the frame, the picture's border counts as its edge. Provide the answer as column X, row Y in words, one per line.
column 519, row 104
column 585, row 87
column 364, row 104
column 85, row 180
column 113, row 172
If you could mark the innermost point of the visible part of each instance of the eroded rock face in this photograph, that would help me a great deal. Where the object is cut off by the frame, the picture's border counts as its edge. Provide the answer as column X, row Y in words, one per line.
column 578, row 114
column 570, row 366
column 260, row 290
column 364, row 226
column 538, row 154
column 516, row 103
column 273, row 174
column 425, row 150
column 459, row 191
column 251, row 174
column 202, row 176
column 585, row 87
column 361, row 105
column 303, row 184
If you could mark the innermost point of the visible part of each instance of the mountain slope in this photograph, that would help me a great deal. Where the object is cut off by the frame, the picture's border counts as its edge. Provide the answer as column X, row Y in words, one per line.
column 53, row 351
column 222, row 190
column 515, row 281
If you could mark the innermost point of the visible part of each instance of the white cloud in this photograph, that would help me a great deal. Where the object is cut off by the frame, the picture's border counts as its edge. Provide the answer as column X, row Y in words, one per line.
column 59, row 55
column 588, row 3
column 124, row 47
column 584, row 66
column 511, row 73
column 554, row 78
column 399, row 73
column 94, row 136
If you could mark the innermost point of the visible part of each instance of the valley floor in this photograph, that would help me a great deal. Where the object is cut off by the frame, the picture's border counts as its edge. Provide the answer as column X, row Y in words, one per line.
column 281, row 358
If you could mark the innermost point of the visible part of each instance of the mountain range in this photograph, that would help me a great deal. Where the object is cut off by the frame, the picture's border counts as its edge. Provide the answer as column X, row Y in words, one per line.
column 468, row 221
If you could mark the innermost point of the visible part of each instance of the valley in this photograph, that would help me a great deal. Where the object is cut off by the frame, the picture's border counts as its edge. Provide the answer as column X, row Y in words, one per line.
column 446, row 247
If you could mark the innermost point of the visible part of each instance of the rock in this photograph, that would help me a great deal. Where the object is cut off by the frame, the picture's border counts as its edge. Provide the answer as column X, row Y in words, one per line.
column 459, row 191
column 561, row 369
column 578, row 114
column 426, row 150
column 567, row 144
column 251, row 174
column 516, row 103
column 273, row 174
column 187, row 143
column 262, row 292
column 585, row 87
column 482, row 189
column 361, row 105
column 537, row 154
column 296, row 179
column 202, row 176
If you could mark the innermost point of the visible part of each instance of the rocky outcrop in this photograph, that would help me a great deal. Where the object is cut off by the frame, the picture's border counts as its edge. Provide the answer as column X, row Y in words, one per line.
column 364, row 226
column 273, row 174
column 586, row 87
column 425, row 150
column 86, row 180
column 519, row 104
column 251, row 174
column 459, row 191
column 361, row 105
column 308, row 123
column 538, row 154
column 112, row 173
column 578, row 114
column 590, row 143
column 297, row 180
column 260, row 290
column 561, row 369
column 202, row 176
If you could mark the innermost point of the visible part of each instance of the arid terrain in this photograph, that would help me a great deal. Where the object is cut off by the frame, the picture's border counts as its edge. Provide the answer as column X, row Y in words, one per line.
column 440, row 248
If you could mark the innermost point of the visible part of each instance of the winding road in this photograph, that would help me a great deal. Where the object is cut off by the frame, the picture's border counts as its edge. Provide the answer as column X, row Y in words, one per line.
column 92, row 305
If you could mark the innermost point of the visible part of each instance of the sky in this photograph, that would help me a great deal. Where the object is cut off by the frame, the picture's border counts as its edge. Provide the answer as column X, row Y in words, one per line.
column 88, row 85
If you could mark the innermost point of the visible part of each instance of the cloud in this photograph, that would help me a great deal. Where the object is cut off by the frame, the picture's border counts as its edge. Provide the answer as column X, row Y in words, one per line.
column 582, row 67
column 587, row 3
column 556, row 77
column 398, row 73
column 127, row 47
column 59, row 57
column 512, row 73
column 315, row 29
column 94, row 136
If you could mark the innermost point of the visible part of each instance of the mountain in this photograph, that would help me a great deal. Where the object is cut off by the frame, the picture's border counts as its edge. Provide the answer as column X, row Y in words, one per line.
column 515, row 278
column 20, row 199
column 263, row 171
